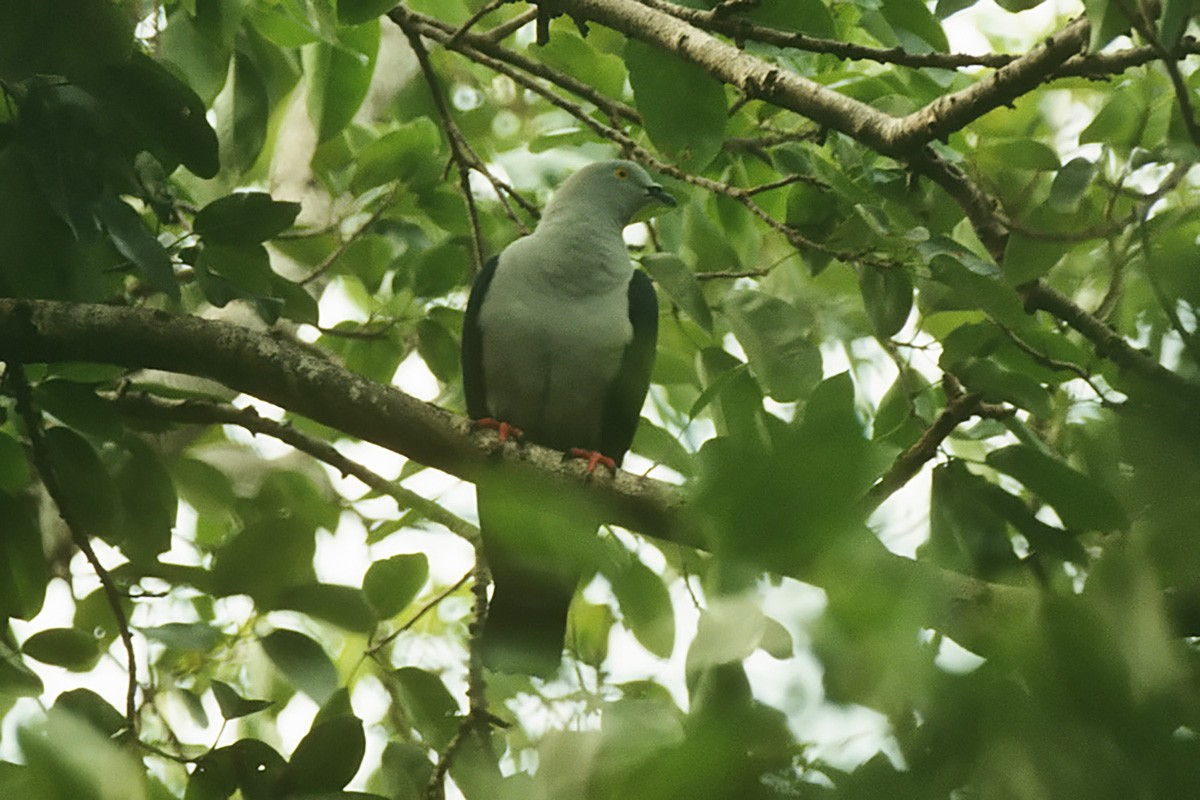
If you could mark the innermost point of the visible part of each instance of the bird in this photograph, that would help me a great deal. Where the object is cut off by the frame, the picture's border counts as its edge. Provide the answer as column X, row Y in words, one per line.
column 559, row 339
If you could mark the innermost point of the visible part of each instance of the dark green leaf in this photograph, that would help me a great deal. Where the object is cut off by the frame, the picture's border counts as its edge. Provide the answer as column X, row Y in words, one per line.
column 1027, row 258
column 646, row 607
column 61, row 37
column 391, row 584
column 92, row 709
column 1108, row 21
column 242, row 109
column 63, row 647
column 84, row 481
column 1070, row 184
column 24, row 571
column 682, row 106
column 17, row 679
column 963, row 536
column 888, row 297
column 233, row 705
column 327, row 757
column 440, row 269
column 1009, row 154
column 149, row 500
column 14, row 467
column 244, row 218
column 405, row 770
column 77, row 406
column 303, row 662
column 439, row 350
column 1082, row 504
column 662, row 447
column 774, row 336
column 679, row 282
column 265, row 558
column 354, row 12
column 428, row 705
column 136, row 243
column 344, row 606
column 998, row 384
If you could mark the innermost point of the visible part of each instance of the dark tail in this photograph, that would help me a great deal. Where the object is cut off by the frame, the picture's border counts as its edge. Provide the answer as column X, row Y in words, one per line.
column 525, row 628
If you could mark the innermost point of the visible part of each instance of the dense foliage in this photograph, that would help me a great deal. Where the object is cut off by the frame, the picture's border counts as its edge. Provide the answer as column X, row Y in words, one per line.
column 928, row 343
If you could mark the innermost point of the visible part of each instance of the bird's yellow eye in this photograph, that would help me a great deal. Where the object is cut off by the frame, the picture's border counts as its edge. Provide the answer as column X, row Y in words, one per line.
column 621, row 173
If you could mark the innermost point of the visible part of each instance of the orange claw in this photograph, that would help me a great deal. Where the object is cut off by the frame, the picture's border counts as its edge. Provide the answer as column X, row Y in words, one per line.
column 594, row 459
column 503, row 430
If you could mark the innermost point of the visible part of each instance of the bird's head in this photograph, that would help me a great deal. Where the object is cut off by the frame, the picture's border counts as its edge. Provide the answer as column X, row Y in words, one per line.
column 610, row 188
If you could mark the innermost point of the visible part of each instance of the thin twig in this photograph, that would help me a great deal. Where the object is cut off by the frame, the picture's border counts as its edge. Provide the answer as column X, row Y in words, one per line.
column 359, row 232
column 431, row 604
column 460, row 152
column 32, row 417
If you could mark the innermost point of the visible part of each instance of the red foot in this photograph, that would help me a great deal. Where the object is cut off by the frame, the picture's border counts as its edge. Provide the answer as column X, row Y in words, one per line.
column 594, row 459
column 503, row 430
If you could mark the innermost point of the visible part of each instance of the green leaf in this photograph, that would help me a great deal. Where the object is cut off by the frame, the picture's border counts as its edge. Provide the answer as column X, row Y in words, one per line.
column 354, row 12
column 407, row 154
column 1081, row 503
column 775, row 338
column 646, row 607
column 77, row 406
column 962, row 534
column 243, row 110
column 1070, row 184
column 14, row 467
column 440, row 269
column 405, row 770
column 1121, row 119
column 71, row 759
column 132, row 240
column 267, row 557
column 1108, row 21
column 188, row 637
column 84, row 481
column 682, row 106
column 248, row 764
column 92, row 709
column 588, row 628
column 439, row 350
column 24, row 571
column 160, row 113
column 662, row 447
column 326, row 758
column 233, row 705
column 679, row 282
column 391, row 584
column 244, row 218
column 998, row 384
column 63, row 647
column 888, row 297
column 149, row 501
column 1004, row 155
column 912, row 17
column 17, row 679
column 1027, row 258
column 61, row 37
column 341, row 74
column 1174, row 20
column 344, row 606
column 303, row 662
column 568, row 52
column 427, row 704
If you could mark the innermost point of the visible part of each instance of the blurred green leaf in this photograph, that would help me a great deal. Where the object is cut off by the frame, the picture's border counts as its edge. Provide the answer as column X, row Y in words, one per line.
column 679, row 282
column 1081, row 503
column 63, row 647
column 233, row 705
column 428, row 705
column 303, row 662
column 185, row 636
column 888, row 297
column 93, row 709
column 406, row 154
column 645, row 607
column 344, row 606
column 84, row 481
column 391, row 584
column 774, row 336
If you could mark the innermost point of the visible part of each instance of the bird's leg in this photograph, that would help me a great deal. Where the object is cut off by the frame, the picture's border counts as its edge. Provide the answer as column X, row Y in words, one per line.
column 594, row 459
column 503, row 430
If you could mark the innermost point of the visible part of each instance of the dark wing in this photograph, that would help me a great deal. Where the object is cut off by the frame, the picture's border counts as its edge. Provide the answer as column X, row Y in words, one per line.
column 472, row 344
column 623, row 405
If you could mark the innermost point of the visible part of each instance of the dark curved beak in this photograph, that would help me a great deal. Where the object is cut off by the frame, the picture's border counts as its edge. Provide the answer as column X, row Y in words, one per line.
column 661, row 195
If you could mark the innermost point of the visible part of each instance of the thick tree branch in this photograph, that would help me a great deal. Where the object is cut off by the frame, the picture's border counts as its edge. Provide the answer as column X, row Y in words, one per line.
column 299, row 379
